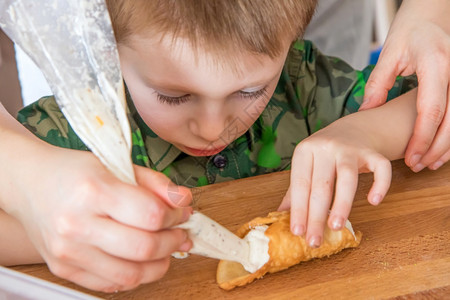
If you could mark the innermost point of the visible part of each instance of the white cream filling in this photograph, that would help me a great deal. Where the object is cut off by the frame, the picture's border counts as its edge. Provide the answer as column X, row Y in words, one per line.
column 210, row 239
column 348, row 225
column 259, row 248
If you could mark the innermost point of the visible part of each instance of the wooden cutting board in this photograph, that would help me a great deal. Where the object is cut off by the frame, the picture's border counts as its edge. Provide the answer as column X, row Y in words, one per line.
column 405, row 250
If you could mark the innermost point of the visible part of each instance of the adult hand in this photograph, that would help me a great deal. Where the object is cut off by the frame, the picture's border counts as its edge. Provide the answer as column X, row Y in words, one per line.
column 419, row 42
column 94, row 230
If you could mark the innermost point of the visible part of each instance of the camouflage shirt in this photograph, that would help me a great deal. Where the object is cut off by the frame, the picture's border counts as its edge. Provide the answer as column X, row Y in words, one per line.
column 313, row 91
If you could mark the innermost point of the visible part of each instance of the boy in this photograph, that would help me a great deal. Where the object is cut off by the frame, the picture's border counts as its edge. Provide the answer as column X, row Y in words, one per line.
column 217, row 91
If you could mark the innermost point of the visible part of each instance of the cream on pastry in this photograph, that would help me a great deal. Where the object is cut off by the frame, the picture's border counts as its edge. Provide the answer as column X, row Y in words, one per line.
column 284, row 248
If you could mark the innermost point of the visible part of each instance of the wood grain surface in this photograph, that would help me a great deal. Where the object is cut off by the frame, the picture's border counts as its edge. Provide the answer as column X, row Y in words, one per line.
column 404, row 253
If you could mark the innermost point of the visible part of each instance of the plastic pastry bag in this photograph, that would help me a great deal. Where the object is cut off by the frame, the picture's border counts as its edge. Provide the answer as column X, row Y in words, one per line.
column 72, row 42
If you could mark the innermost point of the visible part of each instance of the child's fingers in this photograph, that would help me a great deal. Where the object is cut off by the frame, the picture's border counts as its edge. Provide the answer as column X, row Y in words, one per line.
column 320, row 199
column 382, row 173
column 442, row 160
column 299, row 189
column 286, row 202
column 346, row 185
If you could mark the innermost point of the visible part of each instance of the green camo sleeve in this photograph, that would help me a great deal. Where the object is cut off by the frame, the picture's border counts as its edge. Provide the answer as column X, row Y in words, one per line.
column 44, row 119
column 401, row 86
column 327, row 88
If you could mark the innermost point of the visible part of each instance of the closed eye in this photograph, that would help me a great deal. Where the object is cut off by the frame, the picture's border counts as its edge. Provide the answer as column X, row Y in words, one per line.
column 254, row 95
column 172, row 100
column 185, row 98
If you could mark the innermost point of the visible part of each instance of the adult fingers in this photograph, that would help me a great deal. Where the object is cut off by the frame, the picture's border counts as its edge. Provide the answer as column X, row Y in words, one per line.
column 84, row 278
column 174, row 195
column 135, row 244
column 440, row 144
column 431, row 104
column 299, row 190
column 380, row 80
column 346, row 185
column 382, row 173
column 124, row 273
column 138, row 207
column 320, row 199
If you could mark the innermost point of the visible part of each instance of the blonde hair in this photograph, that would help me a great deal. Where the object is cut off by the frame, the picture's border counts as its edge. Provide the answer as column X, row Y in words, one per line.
column 218, row 26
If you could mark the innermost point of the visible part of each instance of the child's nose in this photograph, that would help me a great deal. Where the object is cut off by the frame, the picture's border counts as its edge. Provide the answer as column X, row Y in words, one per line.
column 210, row 128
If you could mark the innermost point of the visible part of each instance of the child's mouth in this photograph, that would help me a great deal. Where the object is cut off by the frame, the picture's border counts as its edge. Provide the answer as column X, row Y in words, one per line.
column 203, row 152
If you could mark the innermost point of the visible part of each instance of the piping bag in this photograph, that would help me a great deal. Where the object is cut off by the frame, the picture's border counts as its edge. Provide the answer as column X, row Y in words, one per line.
column 72, row 42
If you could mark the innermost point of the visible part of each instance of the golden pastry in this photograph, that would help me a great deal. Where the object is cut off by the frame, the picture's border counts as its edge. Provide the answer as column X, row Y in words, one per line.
column 285, row 249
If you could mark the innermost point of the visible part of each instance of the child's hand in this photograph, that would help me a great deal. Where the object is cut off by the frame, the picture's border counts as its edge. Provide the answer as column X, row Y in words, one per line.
column 96, row 231
column 338, row 152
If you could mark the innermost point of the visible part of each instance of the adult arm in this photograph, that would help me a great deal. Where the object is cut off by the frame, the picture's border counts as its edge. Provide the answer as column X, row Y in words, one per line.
column 419, row 42
column 15, row 246
column 89, row 227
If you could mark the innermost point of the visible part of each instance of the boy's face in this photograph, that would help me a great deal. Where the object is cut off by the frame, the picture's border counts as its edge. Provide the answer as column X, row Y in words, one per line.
column 197, row 105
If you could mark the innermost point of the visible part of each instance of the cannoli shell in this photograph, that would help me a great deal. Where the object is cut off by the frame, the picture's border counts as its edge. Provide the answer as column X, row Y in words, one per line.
column 285, row 249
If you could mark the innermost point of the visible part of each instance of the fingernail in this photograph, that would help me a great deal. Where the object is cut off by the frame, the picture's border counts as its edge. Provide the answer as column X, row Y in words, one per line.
column 414, row 160
column 364, row 104
column 376, row 199
column 298, row 230
column 315, row 241
column 186, row 246
column 366, row 99
column 175, row 193
column 417, row 168
column 187, row 212
column 337, row 223
column 437, row 165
